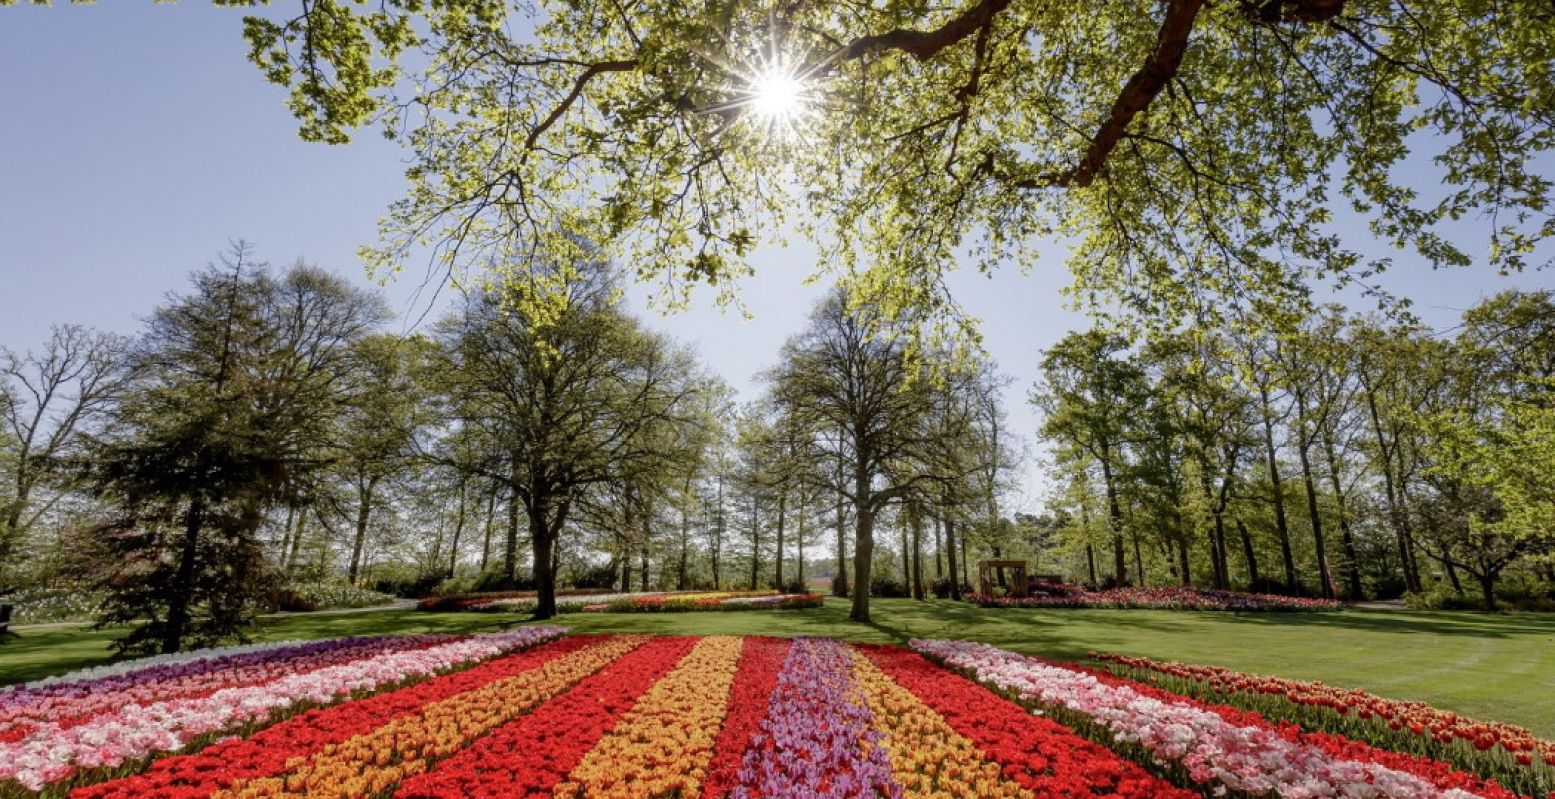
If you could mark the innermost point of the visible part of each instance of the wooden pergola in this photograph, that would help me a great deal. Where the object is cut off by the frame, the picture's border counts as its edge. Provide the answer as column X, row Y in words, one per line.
column 987, row 568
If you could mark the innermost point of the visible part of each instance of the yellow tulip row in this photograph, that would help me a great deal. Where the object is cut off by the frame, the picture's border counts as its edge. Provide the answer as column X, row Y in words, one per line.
column 662, row 747
column 375, row 762
column 928, row 757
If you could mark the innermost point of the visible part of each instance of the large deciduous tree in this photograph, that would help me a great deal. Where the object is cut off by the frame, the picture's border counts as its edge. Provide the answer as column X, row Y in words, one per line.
column 575, row 400
column 846, row 379
column 1094, row 396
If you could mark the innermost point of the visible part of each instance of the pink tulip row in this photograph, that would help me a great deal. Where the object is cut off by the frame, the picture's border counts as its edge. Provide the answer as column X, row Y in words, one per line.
column 50, row 753
column 1214, row 751
column 65, row 704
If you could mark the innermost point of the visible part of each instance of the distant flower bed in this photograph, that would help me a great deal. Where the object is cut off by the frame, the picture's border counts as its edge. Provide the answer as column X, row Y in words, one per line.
column 487, row 600
column 682, row 603
column 53, row 605
column 1174, row 598
column 593, row 601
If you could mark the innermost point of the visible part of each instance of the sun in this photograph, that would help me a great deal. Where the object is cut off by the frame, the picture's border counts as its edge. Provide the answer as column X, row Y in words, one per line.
column 777, row 95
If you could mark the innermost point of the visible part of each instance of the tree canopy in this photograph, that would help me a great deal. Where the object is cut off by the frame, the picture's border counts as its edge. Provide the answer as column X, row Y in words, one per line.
column 1193, row 155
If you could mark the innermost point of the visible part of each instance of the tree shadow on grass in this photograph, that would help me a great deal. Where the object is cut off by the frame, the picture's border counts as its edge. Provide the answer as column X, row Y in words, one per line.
column 1466, row 624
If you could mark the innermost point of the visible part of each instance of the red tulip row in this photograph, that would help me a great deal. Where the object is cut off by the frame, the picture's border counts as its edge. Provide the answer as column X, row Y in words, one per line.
column 747, row 707
column 526, row 758
column 1035, row 752
column 1509, row 754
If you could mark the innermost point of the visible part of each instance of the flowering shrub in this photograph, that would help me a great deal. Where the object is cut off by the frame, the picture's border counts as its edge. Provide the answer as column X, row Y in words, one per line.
column 1165, row 598
column 1511, row 755
column 51, row 605
column 1216, row 748
column 328, row 596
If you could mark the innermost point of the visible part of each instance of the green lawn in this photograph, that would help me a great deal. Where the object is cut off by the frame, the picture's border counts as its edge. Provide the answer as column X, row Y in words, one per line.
column 1486, row 666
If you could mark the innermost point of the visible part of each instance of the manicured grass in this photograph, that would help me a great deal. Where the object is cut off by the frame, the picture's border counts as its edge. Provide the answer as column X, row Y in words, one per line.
column 1485, row 666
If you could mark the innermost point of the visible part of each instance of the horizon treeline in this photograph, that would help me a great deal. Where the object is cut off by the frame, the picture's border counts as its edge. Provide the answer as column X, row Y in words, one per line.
column 264, row 429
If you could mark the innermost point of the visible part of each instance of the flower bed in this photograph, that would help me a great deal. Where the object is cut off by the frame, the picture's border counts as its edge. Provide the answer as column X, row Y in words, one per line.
column 49, row 747
column 1213, row 747
column 487, row 600
column 1511, row 755
column 721, row 717
column 630, row 602
column 680, row 603
column 1169, row 598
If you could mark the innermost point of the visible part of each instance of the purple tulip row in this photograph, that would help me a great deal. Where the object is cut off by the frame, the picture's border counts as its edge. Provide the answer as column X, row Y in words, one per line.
column 819, row 739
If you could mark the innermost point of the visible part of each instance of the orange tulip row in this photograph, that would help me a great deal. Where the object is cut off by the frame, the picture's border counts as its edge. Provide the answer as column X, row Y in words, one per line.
column 376, row 761
column 929, row 759
column 663, row 745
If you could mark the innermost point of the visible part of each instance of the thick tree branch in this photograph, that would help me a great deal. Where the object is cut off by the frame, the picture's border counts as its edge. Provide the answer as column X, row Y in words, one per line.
column 924, row 45
column 1170, row 44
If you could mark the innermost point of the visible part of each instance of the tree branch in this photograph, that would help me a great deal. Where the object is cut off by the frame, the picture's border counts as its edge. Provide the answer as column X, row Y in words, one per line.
column 626, row 65
column 924, row 45
column 1170, row 44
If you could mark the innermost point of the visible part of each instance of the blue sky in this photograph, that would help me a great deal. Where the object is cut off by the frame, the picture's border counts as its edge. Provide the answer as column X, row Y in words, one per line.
column 136, row 140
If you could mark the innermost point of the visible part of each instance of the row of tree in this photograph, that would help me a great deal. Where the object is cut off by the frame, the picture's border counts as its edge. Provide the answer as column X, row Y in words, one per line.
column 262, row 427
column 1351, row 458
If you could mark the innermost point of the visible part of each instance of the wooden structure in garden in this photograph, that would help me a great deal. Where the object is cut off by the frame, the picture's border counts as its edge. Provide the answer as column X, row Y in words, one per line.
column 987, row 568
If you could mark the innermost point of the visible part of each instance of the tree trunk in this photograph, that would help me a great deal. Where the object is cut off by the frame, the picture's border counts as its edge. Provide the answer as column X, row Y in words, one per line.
column 966, row 563
column 453, row 547
column 296, row 550
column 1396, row 517
column 544, row 524
column 1115, row 524
column 1352, row 565
column 1216, row 532
column 685, row 549
column 950, row 555
column 718, row 537
column 1090, row 562
column 939, row 552
column 1281, row 525
column 1139, row 560
column 781, row 519
column 755, row 543
column 906, row 555
column 364, row 509
column 491, row 518
column 839, row 586
column 1248, row 553
column 1487, row 587
column 863, row 556
column 1185, row 571
column 510, row 542
column 917, row 556
column 178, row 599
column 799, row 546
column 1325, row 583
column 626, row 565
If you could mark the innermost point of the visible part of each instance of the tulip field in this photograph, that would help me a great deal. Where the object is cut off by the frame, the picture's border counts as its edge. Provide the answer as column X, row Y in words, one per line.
column 538, row 712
